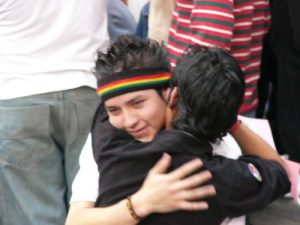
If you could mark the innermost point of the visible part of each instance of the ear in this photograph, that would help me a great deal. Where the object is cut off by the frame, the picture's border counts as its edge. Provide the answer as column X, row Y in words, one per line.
column 173, row 98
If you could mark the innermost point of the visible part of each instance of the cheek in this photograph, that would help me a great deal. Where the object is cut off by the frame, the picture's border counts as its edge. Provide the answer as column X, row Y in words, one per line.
column 156, row 117
column 115, row 121
column 160, row 119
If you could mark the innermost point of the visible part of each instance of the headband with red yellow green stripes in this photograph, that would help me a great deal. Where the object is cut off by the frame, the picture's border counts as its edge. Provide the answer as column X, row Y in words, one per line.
column 133, row 80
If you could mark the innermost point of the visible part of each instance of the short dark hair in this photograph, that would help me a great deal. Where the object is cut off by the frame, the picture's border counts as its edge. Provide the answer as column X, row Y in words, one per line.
column 211, row 89
column 130, row 52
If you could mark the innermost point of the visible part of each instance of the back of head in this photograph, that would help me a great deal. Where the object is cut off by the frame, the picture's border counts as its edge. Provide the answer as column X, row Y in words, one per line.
column 130, row 52
column 211, row 89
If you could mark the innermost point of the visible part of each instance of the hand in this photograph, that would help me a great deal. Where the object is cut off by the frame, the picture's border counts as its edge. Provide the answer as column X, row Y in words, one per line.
column 173, row 191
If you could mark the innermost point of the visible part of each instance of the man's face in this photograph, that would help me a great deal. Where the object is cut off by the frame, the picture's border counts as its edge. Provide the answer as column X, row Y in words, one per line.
column 141, row 113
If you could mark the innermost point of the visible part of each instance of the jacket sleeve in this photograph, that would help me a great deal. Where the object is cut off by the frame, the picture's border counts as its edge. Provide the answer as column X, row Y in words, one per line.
column 247, row 184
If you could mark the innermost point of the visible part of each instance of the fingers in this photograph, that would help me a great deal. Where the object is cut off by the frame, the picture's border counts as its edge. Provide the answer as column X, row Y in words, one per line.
column 162, row 165
column 198, row 193
column 168, row 192
column 193, row 206
column 189, row 197
column 193, row 181
column 186, row 169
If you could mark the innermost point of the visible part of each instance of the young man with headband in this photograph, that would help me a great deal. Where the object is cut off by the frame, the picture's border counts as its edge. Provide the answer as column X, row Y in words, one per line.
column 158, row 193
column 134, row 89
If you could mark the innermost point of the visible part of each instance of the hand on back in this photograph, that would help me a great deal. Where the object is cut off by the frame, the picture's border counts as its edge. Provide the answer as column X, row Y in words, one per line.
column 176, row 190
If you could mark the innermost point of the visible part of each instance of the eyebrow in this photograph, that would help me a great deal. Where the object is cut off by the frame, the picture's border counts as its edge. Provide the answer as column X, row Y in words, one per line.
column 110, row 107
column 130, row 101
column 133, row 99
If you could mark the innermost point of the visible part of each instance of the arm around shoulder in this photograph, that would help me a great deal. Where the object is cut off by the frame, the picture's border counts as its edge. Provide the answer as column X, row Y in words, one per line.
column 161, row 192
column 253, row 144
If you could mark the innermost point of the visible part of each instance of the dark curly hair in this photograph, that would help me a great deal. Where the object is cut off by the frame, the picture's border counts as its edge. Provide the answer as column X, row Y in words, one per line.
column 211, row 89
column 130, row 52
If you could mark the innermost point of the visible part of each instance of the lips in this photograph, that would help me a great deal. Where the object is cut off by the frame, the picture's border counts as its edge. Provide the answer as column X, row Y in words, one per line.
column 139, row 132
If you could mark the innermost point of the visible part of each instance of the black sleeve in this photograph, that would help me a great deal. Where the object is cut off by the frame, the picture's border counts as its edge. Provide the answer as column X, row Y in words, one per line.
column 241, row 188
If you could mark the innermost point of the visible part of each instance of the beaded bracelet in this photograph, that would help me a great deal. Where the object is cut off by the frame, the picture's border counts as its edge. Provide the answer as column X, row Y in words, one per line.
column 131, row 209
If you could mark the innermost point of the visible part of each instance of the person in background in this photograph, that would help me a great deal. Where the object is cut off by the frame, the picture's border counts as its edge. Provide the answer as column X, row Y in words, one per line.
column 47, row 103
column 155, row 19
column 285, row 43
column 142, row 26
column 120, row 19
column 238, row 26
column 160, row 19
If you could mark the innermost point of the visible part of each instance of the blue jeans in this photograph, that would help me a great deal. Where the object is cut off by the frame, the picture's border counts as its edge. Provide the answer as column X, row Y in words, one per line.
column 142, row 26
column 41, row 137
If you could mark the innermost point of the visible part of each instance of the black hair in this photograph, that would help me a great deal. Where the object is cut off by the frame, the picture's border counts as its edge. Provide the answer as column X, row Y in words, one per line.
column 210, row 88
column 130, row 52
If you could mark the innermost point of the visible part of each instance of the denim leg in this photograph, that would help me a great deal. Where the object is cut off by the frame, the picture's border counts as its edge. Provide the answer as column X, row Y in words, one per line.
column 41, row 138
column 32, row 183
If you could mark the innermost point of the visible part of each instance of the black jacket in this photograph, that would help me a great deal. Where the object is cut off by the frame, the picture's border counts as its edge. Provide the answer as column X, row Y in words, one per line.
column 123, row 164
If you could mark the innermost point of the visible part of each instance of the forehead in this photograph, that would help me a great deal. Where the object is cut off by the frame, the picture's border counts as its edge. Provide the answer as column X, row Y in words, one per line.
column 127, row 98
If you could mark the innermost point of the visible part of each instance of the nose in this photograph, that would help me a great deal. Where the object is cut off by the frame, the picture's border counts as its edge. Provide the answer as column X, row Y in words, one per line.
column 130, row 119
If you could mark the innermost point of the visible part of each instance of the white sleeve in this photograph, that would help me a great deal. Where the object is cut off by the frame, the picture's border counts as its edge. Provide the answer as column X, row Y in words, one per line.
column 230, row 148
column 85, row 184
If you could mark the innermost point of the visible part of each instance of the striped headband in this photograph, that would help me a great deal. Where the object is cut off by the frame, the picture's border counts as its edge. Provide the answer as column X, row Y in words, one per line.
column 133, row 80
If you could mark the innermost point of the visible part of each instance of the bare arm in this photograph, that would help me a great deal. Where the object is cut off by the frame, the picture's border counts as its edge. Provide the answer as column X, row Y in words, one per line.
column 160, row 193
column 86, row 213
column 251, row 143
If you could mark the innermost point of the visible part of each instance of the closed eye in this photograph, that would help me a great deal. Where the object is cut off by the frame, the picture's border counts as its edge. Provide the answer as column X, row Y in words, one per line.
column 113, row 110
column 138, row 103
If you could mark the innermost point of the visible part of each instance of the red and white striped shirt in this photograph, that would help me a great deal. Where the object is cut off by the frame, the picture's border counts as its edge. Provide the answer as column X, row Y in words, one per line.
column 236, row 25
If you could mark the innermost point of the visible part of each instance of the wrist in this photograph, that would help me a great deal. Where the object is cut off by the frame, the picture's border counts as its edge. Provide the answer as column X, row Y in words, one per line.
column 131, row 209
column 235, row 126
column 140, row 206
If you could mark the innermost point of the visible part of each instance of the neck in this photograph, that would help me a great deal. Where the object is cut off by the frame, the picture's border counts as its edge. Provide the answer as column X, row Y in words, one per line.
column 170, row 113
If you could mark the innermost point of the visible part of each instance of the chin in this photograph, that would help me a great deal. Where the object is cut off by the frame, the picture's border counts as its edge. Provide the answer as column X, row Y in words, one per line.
column 146, row 139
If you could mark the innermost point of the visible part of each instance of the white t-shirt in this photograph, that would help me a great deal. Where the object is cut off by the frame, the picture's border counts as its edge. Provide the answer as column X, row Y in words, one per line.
column 49, row 45
column 85, row 184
